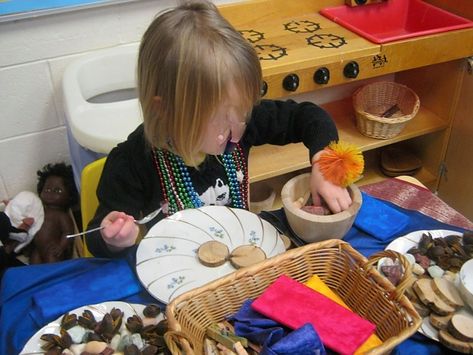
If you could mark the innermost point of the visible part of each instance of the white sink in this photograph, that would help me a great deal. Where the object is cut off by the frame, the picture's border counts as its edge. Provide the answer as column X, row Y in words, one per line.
column 98, row 125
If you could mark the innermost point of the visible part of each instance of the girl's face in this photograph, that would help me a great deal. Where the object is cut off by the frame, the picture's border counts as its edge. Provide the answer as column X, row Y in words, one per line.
column 227, row 125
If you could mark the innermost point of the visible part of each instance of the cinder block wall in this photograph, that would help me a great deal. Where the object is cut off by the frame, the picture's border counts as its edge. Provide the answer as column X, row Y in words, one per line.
column 33, row 55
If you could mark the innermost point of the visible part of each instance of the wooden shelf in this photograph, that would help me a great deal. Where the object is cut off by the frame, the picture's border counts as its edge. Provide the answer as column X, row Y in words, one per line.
column 373, row 174
column 269, row 160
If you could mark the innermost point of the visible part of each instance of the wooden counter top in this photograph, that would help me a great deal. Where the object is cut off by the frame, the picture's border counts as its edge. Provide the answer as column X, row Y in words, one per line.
column 291, row 37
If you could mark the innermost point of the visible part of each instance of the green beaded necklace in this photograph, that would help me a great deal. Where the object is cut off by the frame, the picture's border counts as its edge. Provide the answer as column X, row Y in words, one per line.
column 177, row 186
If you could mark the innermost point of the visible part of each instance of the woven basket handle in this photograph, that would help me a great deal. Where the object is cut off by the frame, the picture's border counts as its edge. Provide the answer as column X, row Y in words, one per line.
column 407, row 278
column 177, row 341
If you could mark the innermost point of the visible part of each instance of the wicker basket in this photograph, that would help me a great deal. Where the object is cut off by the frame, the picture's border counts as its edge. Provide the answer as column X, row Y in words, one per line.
column 342, row 268
column 373, row 100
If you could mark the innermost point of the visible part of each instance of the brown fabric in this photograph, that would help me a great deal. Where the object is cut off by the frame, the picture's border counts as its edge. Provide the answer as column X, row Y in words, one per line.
column 413, row 197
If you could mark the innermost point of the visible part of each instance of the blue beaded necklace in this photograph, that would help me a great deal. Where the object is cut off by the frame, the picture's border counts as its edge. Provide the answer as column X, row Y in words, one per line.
column 177, row 186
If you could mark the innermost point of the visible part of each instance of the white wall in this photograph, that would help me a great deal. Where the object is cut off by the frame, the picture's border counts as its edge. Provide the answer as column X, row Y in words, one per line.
column 33, row 55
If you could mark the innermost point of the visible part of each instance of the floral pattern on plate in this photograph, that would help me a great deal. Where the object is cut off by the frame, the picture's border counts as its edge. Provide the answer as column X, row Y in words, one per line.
column 166, row 259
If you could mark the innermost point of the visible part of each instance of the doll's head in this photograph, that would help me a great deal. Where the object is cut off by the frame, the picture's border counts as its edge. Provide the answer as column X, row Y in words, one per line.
column 56, row 186
column 191, row 60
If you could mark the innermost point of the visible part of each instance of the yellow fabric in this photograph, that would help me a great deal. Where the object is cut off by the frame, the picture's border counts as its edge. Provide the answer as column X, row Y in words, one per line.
column 318, row 285
column 88, row 197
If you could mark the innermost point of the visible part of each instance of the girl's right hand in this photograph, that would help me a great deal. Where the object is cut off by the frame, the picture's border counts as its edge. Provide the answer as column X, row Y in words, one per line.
column 120, row 230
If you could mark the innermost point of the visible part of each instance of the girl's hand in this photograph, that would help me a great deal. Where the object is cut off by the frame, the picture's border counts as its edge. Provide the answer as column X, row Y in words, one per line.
column 337, row 198
column 120, row 230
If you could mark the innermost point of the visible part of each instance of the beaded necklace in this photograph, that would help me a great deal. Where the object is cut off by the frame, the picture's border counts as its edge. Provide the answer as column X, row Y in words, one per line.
column 177, row 186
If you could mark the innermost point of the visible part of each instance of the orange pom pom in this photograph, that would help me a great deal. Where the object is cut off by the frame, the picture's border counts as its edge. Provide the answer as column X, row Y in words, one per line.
column 341, row 163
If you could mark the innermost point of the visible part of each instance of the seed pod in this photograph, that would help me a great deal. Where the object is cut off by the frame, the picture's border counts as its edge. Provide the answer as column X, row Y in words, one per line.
column 68, row 321
column 132, row 350
column 87, row 320
column 152, row 311
column 467, row 238
column 162, row 327
column 134, row 324
column 149, row 350
column 50, row 341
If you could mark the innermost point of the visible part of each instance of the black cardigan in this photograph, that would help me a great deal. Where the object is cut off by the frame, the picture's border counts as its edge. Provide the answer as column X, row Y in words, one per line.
column 130, row 181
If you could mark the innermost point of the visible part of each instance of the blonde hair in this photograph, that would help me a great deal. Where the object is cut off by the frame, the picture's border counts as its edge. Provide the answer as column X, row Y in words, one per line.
column 188, row 58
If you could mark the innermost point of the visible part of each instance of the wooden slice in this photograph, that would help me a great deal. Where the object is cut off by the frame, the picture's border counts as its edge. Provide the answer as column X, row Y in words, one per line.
column 286, row 241
column 397, row 160
column 439, row 322
column 461, row 326
column 448, row 292
column 246, row 255
column 213, row 253
column 423, row 289
column 453, row 343
column 398, row 173
column 422, row 309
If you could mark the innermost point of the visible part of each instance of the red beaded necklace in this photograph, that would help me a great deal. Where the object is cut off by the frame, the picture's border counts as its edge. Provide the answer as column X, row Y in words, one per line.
column 177, row 186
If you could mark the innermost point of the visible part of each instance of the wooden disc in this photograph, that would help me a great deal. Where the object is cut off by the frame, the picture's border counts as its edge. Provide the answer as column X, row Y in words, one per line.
column 461, row 326
column 213, row 253
column 453, row 343
column 423, row 289
column 439, row 322
column 448, row 292
column 246, row 255
column 286, row 241
column 398, row 160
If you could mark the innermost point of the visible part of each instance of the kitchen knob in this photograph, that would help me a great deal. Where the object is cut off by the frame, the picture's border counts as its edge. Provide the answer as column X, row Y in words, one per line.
column 264, row 88
column 291, row 82
column 351, row 70
column 322, row 76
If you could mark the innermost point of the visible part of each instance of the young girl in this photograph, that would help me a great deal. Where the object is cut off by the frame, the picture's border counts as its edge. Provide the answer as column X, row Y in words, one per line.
column 199, row 88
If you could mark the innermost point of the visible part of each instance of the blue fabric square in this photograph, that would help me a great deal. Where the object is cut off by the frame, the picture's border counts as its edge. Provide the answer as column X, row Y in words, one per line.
column 379, row 220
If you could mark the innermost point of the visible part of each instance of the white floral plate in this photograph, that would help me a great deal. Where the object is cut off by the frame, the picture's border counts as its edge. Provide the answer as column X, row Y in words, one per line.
column 33, row 346
column 166, row 259
column 408, row 241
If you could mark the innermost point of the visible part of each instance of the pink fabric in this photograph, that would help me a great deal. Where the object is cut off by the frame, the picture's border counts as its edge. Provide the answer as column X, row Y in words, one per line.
column 293, row 304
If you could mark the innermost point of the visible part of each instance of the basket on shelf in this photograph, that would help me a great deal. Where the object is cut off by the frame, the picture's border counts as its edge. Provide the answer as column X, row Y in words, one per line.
column 353, row 277
column 383, row 108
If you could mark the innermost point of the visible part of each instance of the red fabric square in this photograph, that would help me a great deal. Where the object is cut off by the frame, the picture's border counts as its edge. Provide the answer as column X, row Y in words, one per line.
column 293, row 304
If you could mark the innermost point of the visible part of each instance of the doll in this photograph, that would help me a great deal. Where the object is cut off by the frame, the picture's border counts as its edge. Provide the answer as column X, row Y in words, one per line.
column 58, row 194
column 19, row 222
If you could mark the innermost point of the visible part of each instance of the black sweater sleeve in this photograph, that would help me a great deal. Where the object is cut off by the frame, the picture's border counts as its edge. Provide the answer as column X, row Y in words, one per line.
column 129, row 183
column 283, row 122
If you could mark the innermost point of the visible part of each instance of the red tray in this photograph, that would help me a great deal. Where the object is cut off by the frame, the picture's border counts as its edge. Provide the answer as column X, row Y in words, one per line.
column 395, row 19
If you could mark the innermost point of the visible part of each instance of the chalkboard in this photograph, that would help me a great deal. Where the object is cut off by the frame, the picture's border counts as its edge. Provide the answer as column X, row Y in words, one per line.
column 17, row 9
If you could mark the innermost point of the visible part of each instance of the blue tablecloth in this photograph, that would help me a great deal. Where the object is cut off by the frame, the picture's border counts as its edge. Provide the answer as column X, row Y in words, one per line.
column 32, row 296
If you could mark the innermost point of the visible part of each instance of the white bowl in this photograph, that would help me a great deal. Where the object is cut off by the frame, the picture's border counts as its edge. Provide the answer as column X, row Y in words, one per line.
column 315, row 228
column 466, row 283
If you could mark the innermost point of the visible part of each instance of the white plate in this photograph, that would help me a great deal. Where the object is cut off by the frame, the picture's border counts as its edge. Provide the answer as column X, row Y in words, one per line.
column 33, row 346
column 408, row 241
column 166, row 259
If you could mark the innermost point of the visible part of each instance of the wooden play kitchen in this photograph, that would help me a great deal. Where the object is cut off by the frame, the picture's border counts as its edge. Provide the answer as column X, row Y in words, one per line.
column 302, row 51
